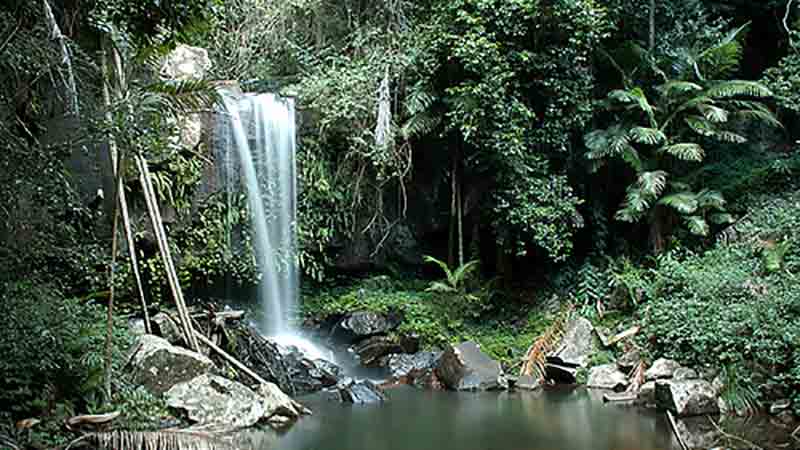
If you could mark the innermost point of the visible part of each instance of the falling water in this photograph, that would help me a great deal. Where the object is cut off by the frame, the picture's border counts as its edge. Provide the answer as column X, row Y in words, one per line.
column 263, row 132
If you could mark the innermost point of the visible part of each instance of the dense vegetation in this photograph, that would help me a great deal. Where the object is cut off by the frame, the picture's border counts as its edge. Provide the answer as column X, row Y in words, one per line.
column 639, row 167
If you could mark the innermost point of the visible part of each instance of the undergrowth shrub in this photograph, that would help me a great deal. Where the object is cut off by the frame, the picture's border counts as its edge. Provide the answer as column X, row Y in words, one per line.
column 737, row 305
column 52, row 349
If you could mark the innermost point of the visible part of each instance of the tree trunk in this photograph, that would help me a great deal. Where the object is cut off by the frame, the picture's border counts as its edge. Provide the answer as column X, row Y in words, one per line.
column 652, row 40
column 112, row 290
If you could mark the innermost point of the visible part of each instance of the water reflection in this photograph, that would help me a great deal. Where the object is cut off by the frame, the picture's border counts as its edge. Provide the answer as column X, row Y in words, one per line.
column 425, row 420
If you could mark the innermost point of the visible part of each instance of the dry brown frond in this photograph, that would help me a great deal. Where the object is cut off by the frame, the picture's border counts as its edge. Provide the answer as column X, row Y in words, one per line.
column 636, row 377
column 536, row 357
column 160, row 440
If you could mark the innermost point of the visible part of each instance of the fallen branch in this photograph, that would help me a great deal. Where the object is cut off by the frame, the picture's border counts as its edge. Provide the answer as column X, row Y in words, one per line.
column 91, row 419
column 676, row 431
column 621, row 397
column 229, row 358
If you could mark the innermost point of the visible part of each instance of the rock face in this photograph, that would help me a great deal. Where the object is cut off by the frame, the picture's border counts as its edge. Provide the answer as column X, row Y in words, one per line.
column 158, row 366
column 358, row 392
column 687, row 397
column 607, row 377
column 218, row 404
column 684, row 373
column 309, row 375
column 576, row 346
column 363, row 324
column 465, row 367
column 371, row 350
column 661, row 369
column 186, row 63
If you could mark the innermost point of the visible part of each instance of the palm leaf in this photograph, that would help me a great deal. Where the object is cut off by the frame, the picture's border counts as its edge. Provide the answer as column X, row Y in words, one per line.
column 635, row 97
column 729, row 136
column 438, row 286
column 463, row 271
column 649, row 136
column 700, row 125
column 641, row 195
column 442, row 265
column 685, row 151
column 721, row 218
column 683, row 202
column 763, row 115
column 697, row 225
column 721, row 59
column 739, row 88
column 708, row 198
column 713, row 113
column 672, row 88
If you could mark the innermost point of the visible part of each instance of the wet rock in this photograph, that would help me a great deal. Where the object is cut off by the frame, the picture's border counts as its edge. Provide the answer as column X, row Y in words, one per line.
column 661, row 369
column 684, row 373
column 465, row 367
column 309, row 375
column 629, row 360
column 157, row 365
column 528, row 383
column 561, row 374
column 647, row 395
column 697, row 433
column 363, row 324
column 687, row 398
column 165, row 327
column 577, row 345
column 608, row 377
column 218, row 404
column 358, row 392
column 411, row 369
column 370, row 351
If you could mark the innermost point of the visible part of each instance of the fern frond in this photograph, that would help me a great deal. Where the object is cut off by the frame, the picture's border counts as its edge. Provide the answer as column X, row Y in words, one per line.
column 438, row 286
column 739, row 88
column 420, row 124
column 463, row 271
column 685, row 151
column 721, row 59
column 536, row 357
column 683, row 202
column 442, row 265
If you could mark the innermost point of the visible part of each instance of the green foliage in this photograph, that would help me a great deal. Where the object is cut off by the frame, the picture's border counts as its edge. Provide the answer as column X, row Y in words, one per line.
column 461, row 292
column 660, row 136
column 53, row 350
column 721, row 308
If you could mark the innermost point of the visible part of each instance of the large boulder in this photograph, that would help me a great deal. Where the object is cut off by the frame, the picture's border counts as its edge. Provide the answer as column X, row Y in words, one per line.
column 686, row 397
column 218, row 404
column 608, row 377
column 164, row 326
column 370, row 351
column 358, row 392
column 577, row 345
column 417, row 369
column 464, row 367
column 363, row 324
column 157, row 365
column 661, row 369
column 308, row 375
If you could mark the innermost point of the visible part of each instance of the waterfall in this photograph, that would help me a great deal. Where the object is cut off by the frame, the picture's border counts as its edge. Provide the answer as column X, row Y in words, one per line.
column 262, row 128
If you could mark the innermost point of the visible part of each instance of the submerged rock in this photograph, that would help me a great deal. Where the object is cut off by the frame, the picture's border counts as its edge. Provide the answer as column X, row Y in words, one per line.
column 647, row 395
column 363, row 324
column 608, row 377
column 577, row 345
column 218, row 404
column 686, row 397
column 662, row 368
column 157, row 365
column 358, row 392
column 465, row 367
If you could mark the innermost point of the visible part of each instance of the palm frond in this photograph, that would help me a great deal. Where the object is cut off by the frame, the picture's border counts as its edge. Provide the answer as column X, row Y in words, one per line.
column 763, row 115
column 730, row 136
column 683, row 202
column 634, row 97
column 721, row 218
column 184, row 96
column 708, row 198
column 700, row 125
column 439, row 286
column 442, row 265
column 687, row 151
column 420, row 124
column 649, row 136
column 641, row 195
column 536, row 357
column 463, row 271
column 672, row 88
column 739, row 88
column 713, row 113
column 697, row 225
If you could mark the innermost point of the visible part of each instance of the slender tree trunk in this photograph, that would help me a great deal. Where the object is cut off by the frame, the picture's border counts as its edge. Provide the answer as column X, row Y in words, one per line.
column 652, row 40
column 110, row 315
column 451, row 244
column 459, row 210
column 56, row 35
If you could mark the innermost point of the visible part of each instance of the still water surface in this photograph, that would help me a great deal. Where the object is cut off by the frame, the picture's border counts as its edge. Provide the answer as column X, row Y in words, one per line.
column 426, row 420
